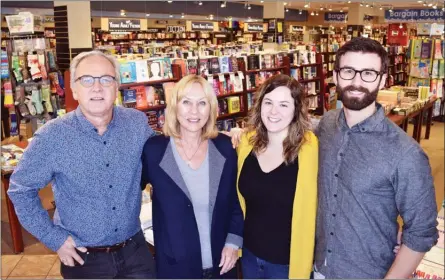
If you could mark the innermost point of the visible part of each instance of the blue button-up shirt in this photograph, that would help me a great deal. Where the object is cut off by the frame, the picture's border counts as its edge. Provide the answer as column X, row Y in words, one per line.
column 368, row 175
column 95, row 179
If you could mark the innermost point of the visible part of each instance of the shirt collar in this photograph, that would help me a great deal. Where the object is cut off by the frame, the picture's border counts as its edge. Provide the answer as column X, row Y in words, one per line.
column 366, row 125
column 88, row 126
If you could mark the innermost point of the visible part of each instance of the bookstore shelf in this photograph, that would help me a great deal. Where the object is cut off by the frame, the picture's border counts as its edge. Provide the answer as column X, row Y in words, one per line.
column 153, row 108
column 266, row 69
column 122, row 86
column 230, row 94
column 232, row 115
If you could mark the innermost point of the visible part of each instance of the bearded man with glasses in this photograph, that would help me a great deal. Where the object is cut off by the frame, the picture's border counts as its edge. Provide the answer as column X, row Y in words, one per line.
column 92, row 156
column 370, row 171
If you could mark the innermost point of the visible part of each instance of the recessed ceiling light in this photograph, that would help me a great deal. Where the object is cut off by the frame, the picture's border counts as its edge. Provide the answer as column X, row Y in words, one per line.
column 261, row 1
column 430, row 4
column 171, row 15
column 341, row 10
column 170, row 2
column 287, row 10
column 200, row 3
column 300, row 12
column 349, row 2
column 316, row 13
column 147, row 15
column 312, row 14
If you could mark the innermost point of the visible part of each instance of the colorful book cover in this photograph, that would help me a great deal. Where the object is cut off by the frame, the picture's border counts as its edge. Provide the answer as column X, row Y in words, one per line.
column 417, row 48
column 233, row 104
column 216, row 87
column 253, row 62
column 167, row 66
column 267, row 61
column 141, row 98
column 155, row 69
column 152, row 96
column 224, row 64
column 222, row 107
column 442, row 69
column 230, row 85
column 233, row 64
column 152, row 117
column 238, row 84
column 294, row 73
column 214, row 65
column 204, row 66
column 437, row 49
column 426, row 49
column 129, row 96
column 168, row 89
column 192, row 66
column 141, row 71
column 161, row 118
column 182, row 64
column 128, row 72
column 435, row 69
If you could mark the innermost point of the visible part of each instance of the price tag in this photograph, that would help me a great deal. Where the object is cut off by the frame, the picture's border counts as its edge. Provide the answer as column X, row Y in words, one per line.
column 221, row 78
column 241, row 75
column 232, row 77
column 210, row 80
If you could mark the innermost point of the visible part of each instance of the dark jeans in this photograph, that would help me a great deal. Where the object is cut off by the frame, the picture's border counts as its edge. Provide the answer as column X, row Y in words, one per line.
column 256, row 268
column 134, row 261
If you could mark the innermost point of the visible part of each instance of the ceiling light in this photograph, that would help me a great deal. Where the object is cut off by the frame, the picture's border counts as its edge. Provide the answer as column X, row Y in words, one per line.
column 390, row 10
column 249, row 7
column 430, row 4
column 169, row 2
column 307, row 5
column 367, row 5
column 287, row 10
column 381, row 8
column 400, row 26
column 223, row 4
column 341, row 10
column 284, row 3
column 147, row 15
column 321, row 8
column 349, row 2
column 200, row 3
column 435, row 6
column 330, row 9
column 361, row 4
column 123, row 13
column 316, row 13
column 300, row 12
column 312, row 14
column 419, row 1
column 171, row 15
column 182, row 15
column 261, row 1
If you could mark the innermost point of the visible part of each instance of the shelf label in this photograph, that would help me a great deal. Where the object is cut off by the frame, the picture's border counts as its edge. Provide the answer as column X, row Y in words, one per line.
column 124, row 24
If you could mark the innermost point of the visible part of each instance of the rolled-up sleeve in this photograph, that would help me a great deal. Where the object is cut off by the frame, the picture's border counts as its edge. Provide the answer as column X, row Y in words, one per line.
column 416, row 201
column 33, row 173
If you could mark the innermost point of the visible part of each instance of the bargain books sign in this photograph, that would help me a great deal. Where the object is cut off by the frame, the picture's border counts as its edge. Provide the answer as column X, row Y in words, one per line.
column 335, row 17
column 415, row 15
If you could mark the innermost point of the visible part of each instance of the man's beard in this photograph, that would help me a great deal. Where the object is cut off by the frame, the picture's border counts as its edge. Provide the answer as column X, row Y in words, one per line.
column 354, row 103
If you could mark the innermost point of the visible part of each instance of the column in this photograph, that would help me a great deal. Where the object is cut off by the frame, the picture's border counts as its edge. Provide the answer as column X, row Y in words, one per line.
column 72, row 21
column 356, row 14
column 273, row 15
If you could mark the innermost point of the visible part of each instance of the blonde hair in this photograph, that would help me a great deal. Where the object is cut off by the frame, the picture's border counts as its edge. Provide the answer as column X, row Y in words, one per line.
column 171, row 126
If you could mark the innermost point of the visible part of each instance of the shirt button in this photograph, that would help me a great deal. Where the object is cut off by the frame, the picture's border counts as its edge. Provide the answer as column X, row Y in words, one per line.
column 329, row 251
column 105, row 142
column 115, row 229
column 335, row 195
column 188, row 205
column 333, row 215
column 107, row 165
column 363, row 129
column 95, row 130
column 332, row 233
column 110, row 186
column 336, row 175
column 114, row 208
column 341, row 154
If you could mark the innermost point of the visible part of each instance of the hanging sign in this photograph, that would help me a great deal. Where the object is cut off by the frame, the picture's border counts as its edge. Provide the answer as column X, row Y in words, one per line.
column 175, row 29
column 124, row 24
column 161, row 22
column 415, row 15
column 255, row 27
column 335, row 17
column 204, row 26
column 295, row 28
column 24, row 23
column 154, row 30
column 220, row 35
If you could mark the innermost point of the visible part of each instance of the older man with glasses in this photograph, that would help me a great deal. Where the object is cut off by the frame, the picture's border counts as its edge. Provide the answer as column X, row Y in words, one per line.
column 92, row 157
column 370, row 171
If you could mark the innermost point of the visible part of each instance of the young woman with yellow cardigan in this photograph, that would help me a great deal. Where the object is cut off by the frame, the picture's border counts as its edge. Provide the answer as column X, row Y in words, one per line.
column 277, row 183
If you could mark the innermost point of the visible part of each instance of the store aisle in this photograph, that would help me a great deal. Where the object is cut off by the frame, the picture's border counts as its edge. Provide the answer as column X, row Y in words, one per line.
column 38, row 262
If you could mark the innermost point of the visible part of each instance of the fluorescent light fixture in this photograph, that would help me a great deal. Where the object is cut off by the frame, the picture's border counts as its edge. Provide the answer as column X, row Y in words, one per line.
column 169, row 2
column 300, row 12
column 171, row 15
column 200, row 3
column 147, row 15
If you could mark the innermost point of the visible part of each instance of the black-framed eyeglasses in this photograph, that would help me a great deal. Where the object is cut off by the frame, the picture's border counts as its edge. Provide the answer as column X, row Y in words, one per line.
column 88, row 80
column 367, row 75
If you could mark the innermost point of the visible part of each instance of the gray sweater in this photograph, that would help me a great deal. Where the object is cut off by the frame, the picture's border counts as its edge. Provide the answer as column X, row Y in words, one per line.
column 197, row 182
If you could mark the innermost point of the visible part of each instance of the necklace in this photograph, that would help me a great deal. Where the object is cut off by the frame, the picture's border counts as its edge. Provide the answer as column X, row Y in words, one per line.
column 189, row 160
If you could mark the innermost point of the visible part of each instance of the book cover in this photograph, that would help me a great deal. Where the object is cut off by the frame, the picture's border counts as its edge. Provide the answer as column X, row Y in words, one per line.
column 216, row 87
column 222, row 107
column 128, row 72
column 435, row 69
column 152, row 117
column 182, row 64
column 192, row 65
column 153, row 96
column 155, row 70
column 224, row 64
column 141, row 71
column 167, row 66
column 253, row 62
column 129, row 97
column 267, row 61
column 417, row 48
column 220, row 125
column 233, row 64
column 437, row 49
column 214, row 65
column 229, row 85
column 168, row 90
column 294, row 73
column 442, row 69
column 238, row 84
column 141, row 98
column 204, row 66
column 426, row 49
column 233, row 103
column 161, row 118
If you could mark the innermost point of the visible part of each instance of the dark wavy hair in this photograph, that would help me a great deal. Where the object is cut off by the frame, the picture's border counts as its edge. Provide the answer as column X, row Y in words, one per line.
column 299, row 125
column 364, row 45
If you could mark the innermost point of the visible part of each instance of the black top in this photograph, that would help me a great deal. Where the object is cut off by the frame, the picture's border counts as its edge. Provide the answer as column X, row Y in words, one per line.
column 269, row 203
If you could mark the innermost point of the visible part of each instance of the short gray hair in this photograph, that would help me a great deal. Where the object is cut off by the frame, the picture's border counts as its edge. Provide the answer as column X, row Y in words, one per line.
column 83, row 55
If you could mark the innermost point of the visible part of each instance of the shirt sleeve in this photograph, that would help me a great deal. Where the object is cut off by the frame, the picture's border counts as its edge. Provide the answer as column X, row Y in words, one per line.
column 33, row 173
column 415, row 198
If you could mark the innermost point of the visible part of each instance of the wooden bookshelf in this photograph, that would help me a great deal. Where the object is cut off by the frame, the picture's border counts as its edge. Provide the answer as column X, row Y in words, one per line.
column 232, row 115
column 230, row 94
column 266, row 69
column 148, row 83
column 309, row 80
column 152, row 108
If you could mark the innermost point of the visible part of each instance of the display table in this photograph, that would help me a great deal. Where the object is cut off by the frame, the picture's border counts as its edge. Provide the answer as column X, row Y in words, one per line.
column 402, row 120
column 14, row 224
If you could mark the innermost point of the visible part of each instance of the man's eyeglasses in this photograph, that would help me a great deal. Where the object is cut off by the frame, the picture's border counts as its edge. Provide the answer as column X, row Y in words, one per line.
column 368, row 76
column 88, row 80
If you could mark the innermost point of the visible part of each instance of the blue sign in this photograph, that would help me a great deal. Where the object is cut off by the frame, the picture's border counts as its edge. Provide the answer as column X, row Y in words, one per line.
column 335, row 17
column 415, row 15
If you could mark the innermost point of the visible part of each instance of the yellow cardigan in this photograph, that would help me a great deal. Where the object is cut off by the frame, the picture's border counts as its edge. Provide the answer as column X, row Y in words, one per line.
column 304, row 207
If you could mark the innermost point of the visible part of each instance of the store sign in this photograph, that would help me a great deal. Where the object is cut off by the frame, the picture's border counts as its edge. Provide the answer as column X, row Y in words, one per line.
column 220, row 35
column 415, row 15
column 335, row 17
column 255, row 27
column 24, row 23
column 161, row 22
column 154, row 30
column 296, row 28
column 124, row 24
column 175, row 29
column 205, row 26
column 48, row 19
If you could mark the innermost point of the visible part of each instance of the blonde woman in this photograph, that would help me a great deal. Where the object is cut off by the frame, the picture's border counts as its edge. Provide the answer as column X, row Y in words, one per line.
column 277, row 183
column 197, row 219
